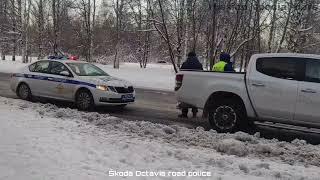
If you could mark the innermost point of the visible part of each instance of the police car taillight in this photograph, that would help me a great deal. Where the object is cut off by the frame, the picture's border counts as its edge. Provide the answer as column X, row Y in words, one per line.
column 74, row 58
column 179, row 79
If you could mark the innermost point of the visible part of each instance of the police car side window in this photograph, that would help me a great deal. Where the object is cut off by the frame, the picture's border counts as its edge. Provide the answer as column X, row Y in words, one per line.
column 41, row 67
column 89, row 69
column 32, row 66
column 57, row 68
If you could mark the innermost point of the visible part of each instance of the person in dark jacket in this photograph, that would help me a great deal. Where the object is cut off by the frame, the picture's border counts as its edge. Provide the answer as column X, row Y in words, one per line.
column 224, row 65
column 192, row 63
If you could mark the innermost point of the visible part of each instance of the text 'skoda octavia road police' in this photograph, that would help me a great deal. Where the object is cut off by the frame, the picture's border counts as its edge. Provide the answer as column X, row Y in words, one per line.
column 76, row 81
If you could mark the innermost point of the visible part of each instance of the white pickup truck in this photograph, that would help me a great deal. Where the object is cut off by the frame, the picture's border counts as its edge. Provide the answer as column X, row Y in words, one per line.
column 278, row 88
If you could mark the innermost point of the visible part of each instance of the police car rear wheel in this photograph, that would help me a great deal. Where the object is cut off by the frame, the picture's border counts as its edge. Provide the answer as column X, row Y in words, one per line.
column 24, row 92
column 84, row 100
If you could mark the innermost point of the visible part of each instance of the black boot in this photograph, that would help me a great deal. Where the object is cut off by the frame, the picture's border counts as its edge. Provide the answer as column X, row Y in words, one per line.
column 184, row 113
column 194, row 112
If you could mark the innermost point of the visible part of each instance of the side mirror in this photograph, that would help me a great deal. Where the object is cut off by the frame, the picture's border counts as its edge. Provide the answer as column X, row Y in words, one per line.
column 65, row 73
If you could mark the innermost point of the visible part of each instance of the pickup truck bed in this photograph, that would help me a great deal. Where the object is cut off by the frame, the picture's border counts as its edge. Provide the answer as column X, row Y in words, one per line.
column 190, row 92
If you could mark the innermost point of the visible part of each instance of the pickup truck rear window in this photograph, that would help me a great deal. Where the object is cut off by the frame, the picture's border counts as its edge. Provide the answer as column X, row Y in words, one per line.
column 284, row 68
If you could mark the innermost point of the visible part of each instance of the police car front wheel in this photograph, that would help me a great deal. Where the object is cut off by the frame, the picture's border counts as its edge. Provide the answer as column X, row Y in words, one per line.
column 84, row 100
column 24, row 92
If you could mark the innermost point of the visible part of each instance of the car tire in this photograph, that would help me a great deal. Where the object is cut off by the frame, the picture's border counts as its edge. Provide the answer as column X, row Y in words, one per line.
column 227, row 115
column 84, row 100
column 24, row 92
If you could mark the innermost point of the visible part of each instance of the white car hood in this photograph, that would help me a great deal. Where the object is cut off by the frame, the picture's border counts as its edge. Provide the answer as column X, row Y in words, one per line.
column 105, row 80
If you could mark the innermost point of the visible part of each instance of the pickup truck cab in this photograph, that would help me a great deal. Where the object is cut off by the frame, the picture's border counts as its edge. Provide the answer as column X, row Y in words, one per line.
column 277, row 87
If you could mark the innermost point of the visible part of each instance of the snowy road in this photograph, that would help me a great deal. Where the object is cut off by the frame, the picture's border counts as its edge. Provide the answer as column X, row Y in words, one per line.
column 42, row 141
column 151, row 105
column 160, row 107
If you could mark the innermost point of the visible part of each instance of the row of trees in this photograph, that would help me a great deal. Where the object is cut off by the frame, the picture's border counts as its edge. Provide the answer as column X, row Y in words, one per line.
column 150, row 30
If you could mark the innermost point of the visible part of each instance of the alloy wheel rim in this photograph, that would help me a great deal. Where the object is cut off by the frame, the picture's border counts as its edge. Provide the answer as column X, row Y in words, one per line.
column 23, row 91
column 225, row 117
column 84, row 100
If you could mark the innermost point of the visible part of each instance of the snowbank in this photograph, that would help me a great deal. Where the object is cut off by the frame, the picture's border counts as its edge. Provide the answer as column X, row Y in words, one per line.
column 9, row 66
column 155, row 76
column 42, row 141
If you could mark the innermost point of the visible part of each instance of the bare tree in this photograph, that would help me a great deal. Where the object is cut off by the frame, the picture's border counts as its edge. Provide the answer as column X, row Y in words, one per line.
column 164, row 32
column 138, row 19
column 39, row 14
column 180, row 30
column 25, row 23
column 55, row 19
column 146, row 49
column 213, row 45
column 285, row 28
column 119, row 6
column 149, row 30
column 88, row 15
column 3, row 20
column 272, row 24
column 14, row 12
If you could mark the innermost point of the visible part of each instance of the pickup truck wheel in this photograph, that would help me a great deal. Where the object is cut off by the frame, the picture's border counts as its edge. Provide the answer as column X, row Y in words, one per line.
column 84, row 100
column 226, row 116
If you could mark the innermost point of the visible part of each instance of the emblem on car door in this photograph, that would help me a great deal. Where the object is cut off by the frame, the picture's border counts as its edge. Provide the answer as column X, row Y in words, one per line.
column 60, row 88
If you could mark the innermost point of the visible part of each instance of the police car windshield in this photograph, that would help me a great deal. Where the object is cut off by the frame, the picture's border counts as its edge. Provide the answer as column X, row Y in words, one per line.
column 86, row 69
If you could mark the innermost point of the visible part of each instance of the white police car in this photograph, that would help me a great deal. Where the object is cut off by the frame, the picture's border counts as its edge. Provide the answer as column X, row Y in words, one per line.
column 76, row 81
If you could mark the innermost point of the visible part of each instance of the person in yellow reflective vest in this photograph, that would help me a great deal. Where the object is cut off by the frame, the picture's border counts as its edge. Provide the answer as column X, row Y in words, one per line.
column 224, row 65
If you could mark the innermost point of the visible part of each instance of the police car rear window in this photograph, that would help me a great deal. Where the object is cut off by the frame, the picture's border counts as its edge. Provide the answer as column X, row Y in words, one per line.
column 32, row 66
column 41, row 67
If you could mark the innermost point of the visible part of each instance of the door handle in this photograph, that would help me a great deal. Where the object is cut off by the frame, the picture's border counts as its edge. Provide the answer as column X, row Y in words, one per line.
column 308, row 91
column 258, row 84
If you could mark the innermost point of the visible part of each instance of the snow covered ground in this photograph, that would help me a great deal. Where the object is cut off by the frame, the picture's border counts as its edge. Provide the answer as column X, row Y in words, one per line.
column 9, row 66
column 42, row 141
column 155, row 76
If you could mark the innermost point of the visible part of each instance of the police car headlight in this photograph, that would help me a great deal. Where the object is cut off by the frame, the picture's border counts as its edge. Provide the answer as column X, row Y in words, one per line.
column 102, row 87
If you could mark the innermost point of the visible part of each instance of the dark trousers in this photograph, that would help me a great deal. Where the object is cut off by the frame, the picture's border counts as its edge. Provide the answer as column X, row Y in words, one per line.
column 185, row 111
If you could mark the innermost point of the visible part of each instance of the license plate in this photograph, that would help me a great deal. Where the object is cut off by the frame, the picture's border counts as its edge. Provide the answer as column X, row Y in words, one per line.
column 127, row 97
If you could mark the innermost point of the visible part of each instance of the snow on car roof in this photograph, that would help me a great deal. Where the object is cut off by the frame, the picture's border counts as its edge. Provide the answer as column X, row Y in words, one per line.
column 298, row 55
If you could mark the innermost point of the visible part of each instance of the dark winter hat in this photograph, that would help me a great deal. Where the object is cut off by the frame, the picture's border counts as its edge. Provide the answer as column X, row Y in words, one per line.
column 191, row 54
column 225, row 57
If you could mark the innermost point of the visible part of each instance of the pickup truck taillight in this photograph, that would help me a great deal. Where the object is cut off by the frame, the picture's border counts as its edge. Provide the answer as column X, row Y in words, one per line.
column 179, row 79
